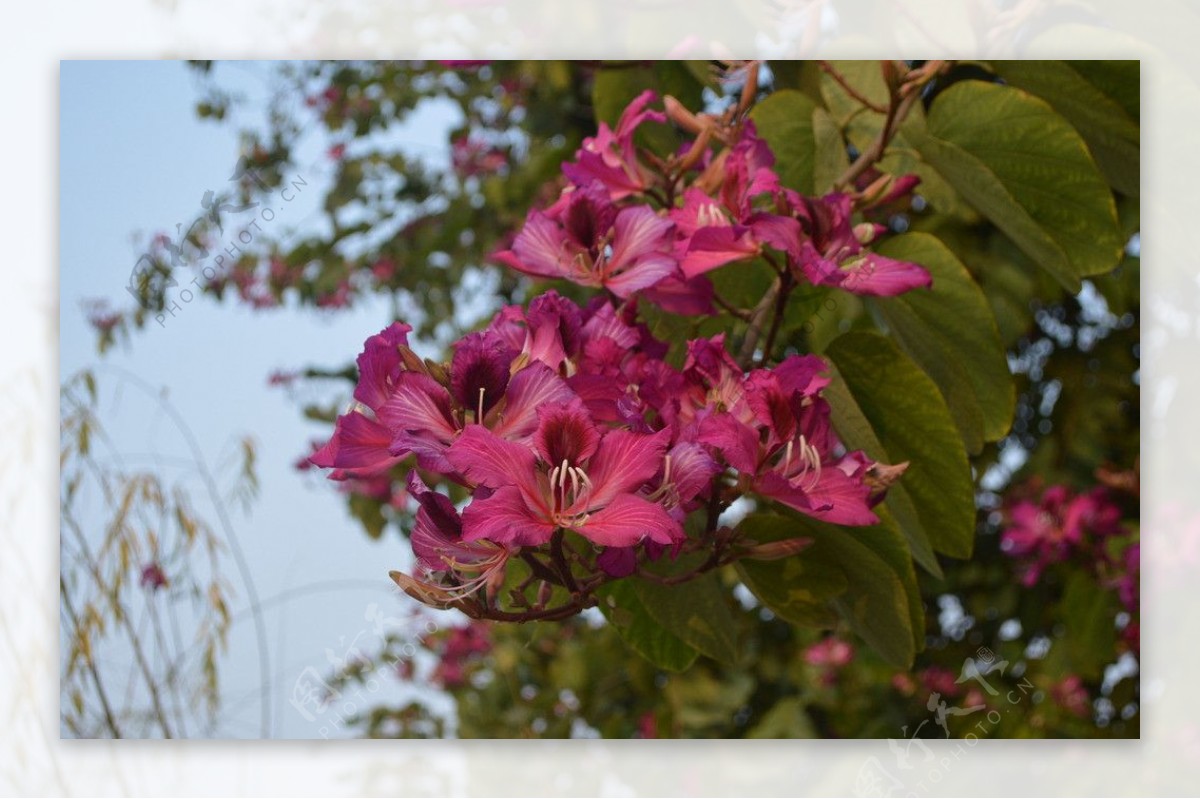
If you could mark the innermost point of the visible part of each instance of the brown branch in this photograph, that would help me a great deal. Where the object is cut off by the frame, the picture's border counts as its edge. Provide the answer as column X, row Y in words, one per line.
column 560, row 561
column 832, row 72
column 902, row 101
column 754, row 326
column 780, row 312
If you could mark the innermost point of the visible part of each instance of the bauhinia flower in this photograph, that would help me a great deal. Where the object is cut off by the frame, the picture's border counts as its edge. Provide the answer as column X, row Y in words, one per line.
column 832, row 251
column 788, row 451
column 713, row 232
column 574, row 477
column 584, row 238
column 408, row 409
column 610, row 157
column 452, row 568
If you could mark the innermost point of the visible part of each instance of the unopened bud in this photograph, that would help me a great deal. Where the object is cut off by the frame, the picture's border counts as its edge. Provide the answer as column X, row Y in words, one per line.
column 776, row 550
column 881, row 476
column 437, row 372
column 412, row 362
column 423, row 592
column 867, row 232
column 693, row 155
column 681, row 116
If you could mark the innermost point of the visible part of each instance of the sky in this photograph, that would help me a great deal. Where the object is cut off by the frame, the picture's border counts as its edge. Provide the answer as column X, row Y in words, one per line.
column 136, row 160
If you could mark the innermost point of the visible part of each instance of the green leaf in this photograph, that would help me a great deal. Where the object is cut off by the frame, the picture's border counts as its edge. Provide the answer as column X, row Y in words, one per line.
column 831, row 159
column 621, row 605
column 856, row 433
column 912, row 423
column 796, row 589
column 785, row 121
column 1089, row 614
column 950, row 332
column 1112, row 136
column 881, row 601
column 697, row 612
column 1027, row 170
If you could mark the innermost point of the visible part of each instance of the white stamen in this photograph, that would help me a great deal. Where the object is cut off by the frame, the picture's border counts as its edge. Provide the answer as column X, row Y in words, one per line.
column 479, row 413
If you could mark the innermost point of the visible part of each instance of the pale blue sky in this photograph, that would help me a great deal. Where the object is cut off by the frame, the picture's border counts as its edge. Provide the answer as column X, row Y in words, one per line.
column 135, row 158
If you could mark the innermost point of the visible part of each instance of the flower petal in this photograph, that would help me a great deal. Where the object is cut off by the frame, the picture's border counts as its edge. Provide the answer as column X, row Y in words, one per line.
column 877, row 276
column 486, row 459
column 419, row 404
column 358, row 444
column 529, row 389
column 504, row 517
column 379, row 364
column 629, row 519
column 623, row 462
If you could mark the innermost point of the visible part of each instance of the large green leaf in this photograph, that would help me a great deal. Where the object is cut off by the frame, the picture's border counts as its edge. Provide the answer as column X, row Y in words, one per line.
column 951, row 333
column 621, row 605
column 798, row 588
column 856, row 433
column 697, row 612
column 785, row 121
column 912, row 423
column 880, row 602
column 1112, row 136
column 1026, row 169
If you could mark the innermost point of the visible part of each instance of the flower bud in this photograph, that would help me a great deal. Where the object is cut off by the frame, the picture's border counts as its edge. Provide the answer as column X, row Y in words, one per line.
column 776, row 550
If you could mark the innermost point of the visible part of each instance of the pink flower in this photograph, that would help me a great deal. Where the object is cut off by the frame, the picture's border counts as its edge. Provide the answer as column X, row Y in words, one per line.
column 438, row 543
column 832, row 254
column 1071, row 695
column 153, row 577
column 778, row 434
column 587, row 240
column 575, row 477
column 713, row 233
column 610, row 157
column 408, row 412
column 830, row 651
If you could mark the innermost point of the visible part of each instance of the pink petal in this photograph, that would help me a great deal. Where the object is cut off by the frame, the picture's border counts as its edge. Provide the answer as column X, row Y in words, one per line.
column 712, row 247
column 565, row 433
column 877, row 276
column 629, row 519
column 486, row 459
column 419, row 404
column 379, row 364
column 538, row 249
column 736, row 442
column 529, row 389
column 624, row 461
column 359, row 444
column 504, row 517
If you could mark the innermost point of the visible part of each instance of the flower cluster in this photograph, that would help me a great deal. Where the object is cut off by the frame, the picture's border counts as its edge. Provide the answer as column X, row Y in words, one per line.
column 733, row 209
column 567, row 441
column 1083, row 527
column 1061, row 524
column 567, row 419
